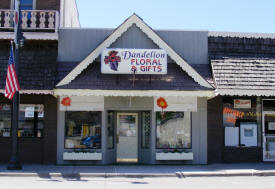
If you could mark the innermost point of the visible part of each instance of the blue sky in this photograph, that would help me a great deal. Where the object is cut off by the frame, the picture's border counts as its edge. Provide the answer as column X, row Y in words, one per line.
column 212, row 15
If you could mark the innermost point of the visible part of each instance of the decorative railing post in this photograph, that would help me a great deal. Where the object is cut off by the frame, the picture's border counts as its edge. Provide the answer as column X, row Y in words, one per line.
column 25, row 19
column 33, row 19
column 7, row 19
column 42, row 20
column 51, row 20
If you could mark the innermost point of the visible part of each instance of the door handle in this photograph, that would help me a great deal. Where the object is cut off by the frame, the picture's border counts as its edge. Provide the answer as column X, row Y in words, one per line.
column 117, row 138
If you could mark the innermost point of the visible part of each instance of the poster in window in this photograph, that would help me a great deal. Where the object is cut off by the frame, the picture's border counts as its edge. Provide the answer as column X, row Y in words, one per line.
column 29, row 112
column 248, row 133
column 5, row 107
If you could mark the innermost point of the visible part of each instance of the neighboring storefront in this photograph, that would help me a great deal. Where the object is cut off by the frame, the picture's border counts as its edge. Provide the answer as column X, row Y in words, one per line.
column 242, row 114
column 38, row 106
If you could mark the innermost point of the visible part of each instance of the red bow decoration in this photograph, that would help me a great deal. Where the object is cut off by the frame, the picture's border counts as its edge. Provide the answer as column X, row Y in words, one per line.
column 66, row 101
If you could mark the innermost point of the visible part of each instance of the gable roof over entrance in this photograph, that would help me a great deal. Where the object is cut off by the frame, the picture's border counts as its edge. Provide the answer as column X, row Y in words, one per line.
column 134, row 19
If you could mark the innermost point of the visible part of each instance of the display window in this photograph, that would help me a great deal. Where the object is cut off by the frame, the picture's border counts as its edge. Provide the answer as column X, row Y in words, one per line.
column 5, row 120
column 173, row 130
column 31, row 120
column 83, row 130
column 242, row 122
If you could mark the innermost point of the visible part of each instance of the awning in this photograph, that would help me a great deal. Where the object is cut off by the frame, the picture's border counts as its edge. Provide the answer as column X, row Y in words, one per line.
column 36, row 92
column 31, row 35
column 137, row 93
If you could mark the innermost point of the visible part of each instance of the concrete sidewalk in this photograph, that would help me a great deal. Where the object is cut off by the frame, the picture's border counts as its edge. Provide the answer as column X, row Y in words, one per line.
column 48, row 171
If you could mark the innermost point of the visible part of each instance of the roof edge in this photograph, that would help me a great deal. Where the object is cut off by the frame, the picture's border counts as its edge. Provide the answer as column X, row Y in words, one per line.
column 134, row 19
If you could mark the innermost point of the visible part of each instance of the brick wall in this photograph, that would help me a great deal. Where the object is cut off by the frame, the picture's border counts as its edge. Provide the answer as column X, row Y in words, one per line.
column 38, row 64
column 5, row 4
column 40, row 4
column 226, row 46
column 48, row 5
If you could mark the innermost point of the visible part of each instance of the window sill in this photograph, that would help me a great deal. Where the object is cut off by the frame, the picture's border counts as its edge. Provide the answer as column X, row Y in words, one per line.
column 241, row 147
column 82, row 156
column 175, row 156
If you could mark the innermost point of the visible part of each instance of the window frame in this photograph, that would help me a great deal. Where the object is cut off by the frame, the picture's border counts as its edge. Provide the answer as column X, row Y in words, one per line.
column 141, row 132
column 43, row 130
column 33, row 4
column 114, row 126
column 34, row 137
column 83, row 149
column 172, row 149
column 258, row 122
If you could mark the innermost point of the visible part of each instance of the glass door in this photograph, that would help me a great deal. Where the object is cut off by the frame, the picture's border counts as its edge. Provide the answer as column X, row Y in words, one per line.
column 269, row 136
column 127, row 137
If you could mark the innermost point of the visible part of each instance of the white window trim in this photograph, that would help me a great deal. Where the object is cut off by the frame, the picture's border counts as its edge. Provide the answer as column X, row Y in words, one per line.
column 33, row 5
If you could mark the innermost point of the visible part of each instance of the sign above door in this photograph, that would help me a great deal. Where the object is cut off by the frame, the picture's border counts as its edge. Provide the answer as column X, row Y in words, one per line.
column 134, row 61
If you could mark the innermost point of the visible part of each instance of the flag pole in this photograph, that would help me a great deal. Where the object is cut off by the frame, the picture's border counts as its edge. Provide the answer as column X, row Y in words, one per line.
column 14, row 163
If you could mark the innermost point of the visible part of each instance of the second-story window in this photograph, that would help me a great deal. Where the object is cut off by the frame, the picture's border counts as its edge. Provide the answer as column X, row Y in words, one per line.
column 26, row 4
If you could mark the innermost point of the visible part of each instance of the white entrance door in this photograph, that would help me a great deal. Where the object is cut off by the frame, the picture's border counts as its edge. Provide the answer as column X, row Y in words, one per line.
column 269, row 136
column 127, row 137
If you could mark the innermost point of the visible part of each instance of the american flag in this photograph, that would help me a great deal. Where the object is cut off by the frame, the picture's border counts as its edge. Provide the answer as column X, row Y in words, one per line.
column 12, row 84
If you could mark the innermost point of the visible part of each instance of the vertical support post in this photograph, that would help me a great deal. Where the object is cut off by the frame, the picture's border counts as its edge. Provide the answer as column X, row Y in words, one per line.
column 14, row 163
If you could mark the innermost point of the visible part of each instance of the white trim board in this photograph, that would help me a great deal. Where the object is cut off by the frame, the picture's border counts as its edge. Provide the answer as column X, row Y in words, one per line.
column 134, row 19
column 236, row 92
column 140, row 93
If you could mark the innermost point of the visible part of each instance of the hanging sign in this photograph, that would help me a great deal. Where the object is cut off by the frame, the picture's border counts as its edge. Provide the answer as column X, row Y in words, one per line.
column 138, row 61
column 240, row 103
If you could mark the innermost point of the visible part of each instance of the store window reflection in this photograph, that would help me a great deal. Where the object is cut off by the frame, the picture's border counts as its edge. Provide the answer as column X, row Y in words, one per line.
column 83, row 130
column 5, row 120
column 173, row 130
column 31, row 120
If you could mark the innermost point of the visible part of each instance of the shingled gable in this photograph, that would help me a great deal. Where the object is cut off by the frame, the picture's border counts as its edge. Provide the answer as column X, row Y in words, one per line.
column 134, row 19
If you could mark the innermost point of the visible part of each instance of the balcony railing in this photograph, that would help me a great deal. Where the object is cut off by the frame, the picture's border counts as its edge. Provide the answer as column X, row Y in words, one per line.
column 32, row 20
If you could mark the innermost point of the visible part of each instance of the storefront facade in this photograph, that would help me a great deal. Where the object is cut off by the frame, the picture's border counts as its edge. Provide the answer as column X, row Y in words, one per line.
column 114, row 118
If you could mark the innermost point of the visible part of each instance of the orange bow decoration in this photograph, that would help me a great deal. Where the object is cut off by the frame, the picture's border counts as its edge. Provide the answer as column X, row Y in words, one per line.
column 66, row 101
column 161, row 102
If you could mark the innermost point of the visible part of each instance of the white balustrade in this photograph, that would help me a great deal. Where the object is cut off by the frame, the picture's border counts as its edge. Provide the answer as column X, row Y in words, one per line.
column 31, row 19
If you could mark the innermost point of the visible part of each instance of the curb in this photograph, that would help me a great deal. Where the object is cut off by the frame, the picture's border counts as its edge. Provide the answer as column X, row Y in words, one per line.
column 138, row 175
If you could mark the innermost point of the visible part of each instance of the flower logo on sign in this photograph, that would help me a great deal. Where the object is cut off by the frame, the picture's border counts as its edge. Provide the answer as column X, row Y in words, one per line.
column 66, row 101
column 112, row 60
